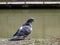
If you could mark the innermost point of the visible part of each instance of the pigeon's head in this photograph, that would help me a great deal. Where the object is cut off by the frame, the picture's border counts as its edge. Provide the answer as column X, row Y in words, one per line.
column 30, row 20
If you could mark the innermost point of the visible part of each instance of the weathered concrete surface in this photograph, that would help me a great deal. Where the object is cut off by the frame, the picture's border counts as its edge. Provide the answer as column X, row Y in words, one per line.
column 30, row 42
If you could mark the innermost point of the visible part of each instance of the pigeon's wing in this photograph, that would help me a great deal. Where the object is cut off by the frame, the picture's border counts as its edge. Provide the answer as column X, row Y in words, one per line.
column 26, row 30
column 18, row 34
column 22, row 32
column 18, row 31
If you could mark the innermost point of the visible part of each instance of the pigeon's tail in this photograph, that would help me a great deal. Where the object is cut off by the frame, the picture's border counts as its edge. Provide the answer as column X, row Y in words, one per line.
column 17, row 38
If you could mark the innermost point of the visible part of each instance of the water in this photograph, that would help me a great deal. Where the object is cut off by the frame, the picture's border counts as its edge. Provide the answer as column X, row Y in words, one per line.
column 47, row 22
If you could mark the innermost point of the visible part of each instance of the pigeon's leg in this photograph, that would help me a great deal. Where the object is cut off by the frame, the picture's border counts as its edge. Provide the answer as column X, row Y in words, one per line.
column 24, row 36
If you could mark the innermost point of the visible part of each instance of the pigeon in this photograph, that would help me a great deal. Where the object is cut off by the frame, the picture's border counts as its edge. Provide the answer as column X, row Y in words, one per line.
column 24, row 30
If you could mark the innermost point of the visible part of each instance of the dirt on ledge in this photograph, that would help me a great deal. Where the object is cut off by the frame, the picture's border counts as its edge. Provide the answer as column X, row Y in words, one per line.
column 30, row 42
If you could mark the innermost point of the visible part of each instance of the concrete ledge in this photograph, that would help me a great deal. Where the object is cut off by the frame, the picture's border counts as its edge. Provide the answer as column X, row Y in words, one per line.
column 29, row 3
column 52, row 41
column 2, row 2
